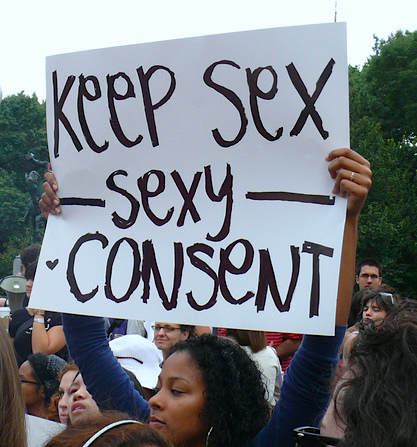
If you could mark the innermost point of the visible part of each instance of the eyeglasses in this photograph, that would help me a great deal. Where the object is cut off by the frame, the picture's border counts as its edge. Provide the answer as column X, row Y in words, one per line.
column 311, row 437
column 166, row 329
column 28, row 381
column 366, row 276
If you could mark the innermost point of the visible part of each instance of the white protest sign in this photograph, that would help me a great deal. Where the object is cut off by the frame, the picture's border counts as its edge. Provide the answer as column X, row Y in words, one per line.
column 193, row 180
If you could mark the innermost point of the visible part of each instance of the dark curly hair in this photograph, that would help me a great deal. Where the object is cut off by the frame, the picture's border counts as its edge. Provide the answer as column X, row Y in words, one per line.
column 46, row 369
column 378, row 400
column 235, row 405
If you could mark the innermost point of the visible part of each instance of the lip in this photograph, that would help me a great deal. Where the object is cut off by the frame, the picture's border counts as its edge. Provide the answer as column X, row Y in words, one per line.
column 367, row 321
column 63, row 418
column 76, row 408
column 155, row 422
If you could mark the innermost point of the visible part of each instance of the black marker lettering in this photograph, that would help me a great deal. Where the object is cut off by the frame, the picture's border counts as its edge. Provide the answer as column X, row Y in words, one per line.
column 150, row 108
column 84, row 93
column 112, row 95
column 75, row 290
column 201, row 265
column 255, row 93
column 233, row 98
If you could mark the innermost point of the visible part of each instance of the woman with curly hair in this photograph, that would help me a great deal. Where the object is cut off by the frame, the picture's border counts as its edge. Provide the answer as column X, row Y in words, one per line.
column 222, row 384
column 375, row 403
column 214, row 396
column 39, row 376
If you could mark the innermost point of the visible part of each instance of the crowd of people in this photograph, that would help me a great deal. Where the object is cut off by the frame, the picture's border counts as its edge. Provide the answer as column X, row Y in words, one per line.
column 185, row 387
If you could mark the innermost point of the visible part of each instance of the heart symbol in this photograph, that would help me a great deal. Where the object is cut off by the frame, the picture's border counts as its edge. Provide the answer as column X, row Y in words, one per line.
column 52, row 264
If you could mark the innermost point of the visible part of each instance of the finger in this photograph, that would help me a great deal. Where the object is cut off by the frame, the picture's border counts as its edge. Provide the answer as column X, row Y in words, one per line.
column 49, row 205
column 345, row 176
column 51, row 180
column 349, row 164
column 50, row 190
column 348, row 153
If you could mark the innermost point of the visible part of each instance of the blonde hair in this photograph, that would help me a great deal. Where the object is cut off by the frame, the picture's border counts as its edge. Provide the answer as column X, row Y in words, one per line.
column 12, row 407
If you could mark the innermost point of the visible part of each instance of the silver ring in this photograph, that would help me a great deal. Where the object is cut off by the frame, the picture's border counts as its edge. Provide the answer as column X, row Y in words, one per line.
column 351, row 176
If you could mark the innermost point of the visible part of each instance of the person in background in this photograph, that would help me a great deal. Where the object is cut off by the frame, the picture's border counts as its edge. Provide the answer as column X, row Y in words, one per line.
column 167, row 335
column 376, row 305
column 375, row 402
column 255, row 344
column 39, row 376
column 368, row 273
column 75, row 404
column 35, row 330
column 285, row 346
column 12, row 404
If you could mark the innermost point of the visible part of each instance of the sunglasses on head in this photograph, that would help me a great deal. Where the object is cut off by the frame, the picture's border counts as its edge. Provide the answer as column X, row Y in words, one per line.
column 311, row 437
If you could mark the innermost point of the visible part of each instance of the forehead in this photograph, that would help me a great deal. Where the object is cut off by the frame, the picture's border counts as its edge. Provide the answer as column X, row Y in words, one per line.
column 182, row 366
column 68, row 378
column 26, row 369
column 371, row 303
column 369, row 269
column 159, row 323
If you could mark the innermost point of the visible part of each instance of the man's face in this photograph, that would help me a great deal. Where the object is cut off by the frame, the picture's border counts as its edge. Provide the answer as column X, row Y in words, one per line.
column 368, row 277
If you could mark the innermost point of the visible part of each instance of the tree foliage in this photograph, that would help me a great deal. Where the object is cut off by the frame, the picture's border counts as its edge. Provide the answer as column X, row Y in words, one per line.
column 383, row 98
column 391, row 78
column 22, row 131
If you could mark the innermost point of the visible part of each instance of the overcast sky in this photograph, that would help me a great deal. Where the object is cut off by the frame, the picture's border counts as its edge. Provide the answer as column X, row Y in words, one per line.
column 31, row 30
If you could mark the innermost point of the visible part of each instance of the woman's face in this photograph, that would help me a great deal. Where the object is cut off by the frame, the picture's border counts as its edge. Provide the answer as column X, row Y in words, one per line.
column 64, row 395
column 76, row 403
column 167, row 335
column 32, row 390
column 176, row 408
column 372, row 313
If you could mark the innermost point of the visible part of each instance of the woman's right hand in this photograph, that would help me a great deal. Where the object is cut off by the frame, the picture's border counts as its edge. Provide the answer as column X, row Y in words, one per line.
column 49, row 202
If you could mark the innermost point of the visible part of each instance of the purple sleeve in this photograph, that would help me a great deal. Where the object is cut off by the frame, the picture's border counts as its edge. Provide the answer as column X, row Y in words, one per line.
column 306, row 390
column 105, row 379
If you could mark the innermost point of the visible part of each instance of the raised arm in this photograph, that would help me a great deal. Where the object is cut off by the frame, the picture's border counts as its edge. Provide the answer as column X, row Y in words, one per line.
column 353, row 177
column 306, row 390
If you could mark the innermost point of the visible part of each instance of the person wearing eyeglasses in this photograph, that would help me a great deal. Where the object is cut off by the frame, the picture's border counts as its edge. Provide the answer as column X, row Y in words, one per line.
column 167, row 335
column 39, row 376
column 368, row 274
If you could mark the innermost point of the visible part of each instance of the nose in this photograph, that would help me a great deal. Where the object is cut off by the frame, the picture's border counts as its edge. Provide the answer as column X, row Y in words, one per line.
column 156, row 401
column 369, row 280
column 63, row 403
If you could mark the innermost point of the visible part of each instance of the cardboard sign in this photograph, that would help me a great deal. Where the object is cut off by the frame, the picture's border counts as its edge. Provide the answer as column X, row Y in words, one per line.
column 193, row 180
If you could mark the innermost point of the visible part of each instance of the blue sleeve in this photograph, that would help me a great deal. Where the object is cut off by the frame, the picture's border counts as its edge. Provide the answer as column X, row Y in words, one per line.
column 105, row 379
column 306, row 390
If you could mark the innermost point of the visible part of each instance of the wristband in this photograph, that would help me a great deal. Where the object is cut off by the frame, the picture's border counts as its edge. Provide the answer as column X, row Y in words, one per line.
column 39, row 319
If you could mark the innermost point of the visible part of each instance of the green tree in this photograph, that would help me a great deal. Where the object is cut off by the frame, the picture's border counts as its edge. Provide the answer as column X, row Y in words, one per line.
column 22, row 131
column 391, row 79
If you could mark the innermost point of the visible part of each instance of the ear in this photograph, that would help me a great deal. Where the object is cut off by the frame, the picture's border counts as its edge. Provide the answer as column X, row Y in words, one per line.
column 41, row 391
column 185, row 335
column 357, row 279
